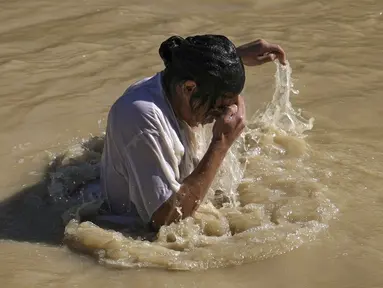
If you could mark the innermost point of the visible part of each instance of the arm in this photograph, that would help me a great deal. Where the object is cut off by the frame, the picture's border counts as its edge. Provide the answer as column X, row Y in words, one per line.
column 194, row 188
column 259, row 52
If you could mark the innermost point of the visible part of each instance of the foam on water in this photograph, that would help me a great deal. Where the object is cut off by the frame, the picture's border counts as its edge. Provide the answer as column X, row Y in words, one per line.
column 266, row 200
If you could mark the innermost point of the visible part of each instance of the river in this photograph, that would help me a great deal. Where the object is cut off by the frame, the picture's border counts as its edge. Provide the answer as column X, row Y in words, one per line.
column 307, row 209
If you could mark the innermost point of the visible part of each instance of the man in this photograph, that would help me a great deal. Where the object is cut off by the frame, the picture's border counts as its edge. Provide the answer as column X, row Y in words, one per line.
column 148, row 174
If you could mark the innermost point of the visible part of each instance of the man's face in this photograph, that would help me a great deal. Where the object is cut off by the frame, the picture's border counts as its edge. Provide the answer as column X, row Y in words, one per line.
column 196, row 114
column 219, row 108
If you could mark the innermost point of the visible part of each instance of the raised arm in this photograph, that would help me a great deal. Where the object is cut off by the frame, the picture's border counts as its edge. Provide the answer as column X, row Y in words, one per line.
column 182, row 204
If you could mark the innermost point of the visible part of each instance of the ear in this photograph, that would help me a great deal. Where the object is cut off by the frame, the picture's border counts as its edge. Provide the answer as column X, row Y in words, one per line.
column 189, row 87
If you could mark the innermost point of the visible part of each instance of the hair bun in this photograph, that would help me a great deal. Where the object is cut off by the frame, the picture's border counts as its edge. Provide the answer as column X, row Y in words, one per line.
column 167, row 47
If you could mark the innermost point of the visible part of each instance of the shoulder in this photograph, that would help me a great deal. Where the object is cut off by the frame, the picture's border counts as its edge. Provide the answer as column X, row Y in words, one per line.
column 139, row 108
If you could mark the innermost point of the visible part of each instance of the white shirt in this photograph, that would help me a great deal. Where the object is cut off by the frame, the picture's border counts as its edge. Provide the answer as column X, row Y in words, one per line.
column 146, row 154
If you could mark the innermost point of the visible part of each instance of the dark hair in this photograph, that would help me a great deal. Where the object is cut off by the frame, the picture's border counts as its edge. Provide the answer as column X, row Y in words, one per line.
column 209, row 60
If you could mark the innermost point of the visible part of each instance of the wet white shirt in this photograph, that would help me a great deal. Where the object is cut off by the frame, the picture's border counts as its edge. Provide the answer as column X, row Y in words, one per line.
column 146, row 154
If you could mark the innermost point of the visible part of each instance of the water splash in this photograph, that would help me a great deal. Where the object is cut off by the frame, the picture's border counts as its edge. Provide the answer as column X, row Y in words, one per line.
column 280, row 114
column 267, row 199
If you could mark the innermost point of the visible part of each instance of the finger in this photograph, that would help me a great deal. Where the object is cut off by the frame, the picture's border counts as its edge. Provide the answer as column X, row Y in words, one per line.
column 278, row 51
column 266, row 58
column 240, row 125
column 241, row 106
column 238, row 119
column 241, row 115
column 230, row 113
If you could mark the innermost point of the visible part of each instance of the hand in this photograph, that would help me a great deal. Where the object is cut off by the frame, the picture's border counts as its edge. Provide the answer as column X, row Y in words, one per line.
column 230, row 124
column 260, row 52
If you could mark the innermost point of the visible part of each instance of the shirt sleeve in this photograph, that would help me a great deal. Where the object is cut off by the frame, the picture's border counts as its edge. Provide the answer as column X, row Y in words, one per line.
column 152, row 169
